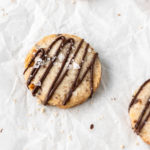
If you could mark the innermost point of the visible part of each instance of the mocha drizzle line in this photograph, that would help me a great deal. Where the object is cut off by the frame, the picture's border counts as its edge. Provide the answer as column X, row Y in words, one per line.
column 57, row 81
column 141, row 120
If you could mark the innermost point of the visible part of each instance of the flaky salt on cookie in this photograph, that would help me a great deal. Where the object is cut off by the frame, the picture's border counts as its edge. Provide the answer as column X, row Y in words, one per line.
column 62, row 70
column 139, row 111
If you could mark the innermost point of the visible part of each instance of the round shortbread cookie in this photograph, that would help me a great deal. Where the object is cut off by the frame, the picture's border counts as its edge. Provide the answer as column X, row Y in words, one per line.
column 62, row 70
column 139, row 111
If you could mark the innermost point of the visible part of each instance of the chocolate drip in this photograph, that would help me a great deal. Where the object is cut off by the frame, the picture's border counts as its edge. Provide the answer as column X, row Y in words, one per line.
column 135, row 97
column 35, row 70
column 78, row 73
column 85, row 73
column 32, row 60
column 51, row 92
column 91, row 80
column 143, row 123
column 140, row 124
column 141, row 120
column 59, row 77
column 52, row 62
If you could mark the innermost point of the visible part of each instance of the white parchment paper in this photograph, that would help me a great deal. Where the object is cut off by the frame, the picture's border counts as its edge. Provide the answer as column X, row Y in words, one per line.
column 118, row 29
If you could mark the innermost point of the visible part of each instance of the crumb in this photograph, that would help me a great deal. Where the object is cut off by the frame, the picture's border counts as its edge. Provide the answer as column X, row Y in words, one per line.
column 39, row 102
column 122, row 146
column 1, row 130
column 119, row 14
column 91, row 102
column 77, row 110
column 137, row 143
column 14, row 100
column 56, row 114
column 101, row 117
column 34, row 128
column 13, row 1
column 113, row 99
column 70, row 137
column 140, row 27
column 91, row 126
column 43, row 110
column 4, row 13
column 62, row 131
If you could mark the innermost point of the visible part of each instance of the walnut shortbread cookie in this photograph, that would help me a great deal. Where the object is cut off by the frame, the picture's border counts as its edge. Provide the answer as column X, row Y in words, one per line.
column 139, row 111
column 62, row 70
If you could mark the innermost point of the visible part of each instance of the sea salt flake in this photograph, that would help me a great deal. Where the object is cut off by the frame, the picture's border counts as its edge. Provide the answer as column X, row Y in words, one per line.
column 89, row 50
column 39, row 60
column 73, row 47
column 76, row 66
column 36, row 66
column 61, row 57
column 55, row 63
column 48, row 59
column 70, row 66
column 53, row 58
column 38, row 83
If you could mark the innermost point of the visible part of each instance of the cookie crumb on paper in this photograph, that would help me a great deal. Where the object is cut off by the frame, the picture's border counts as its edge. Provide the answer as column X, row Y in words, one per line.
column 122, row 146
column 92, row 126
column 1, row 130
column 70, row 137
column 43, row 110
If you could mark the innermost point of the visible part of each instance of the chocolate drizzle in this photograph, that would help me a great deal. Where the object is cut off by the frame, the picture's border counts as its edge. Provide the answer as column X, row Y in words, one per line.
column 140, row 123
column 135, row 97
column 52, row 62
column 61, row 75
column 145, row 114
column 40, row 51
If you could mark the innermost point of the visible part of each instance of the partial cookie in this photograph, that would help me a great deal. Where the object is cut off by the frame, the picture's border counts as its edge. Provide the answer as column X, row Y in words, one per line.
column 139, row 111
column 62, row 70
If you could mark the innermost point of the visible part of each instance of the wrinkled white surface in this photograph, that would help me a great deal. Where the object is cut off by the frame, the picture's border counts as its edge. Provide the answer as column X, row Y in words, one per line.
column 123, row 44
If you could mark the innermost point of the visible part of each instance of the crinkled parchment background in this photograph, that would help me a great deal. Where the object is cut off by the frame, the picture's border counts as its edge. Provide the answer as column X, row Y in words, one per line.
column 118, row 29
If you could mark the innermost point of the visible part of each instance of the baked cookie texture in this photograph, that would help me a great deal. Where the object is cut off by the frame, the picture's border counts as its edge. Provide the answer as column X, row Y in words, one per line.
column 139, row 111
column 62, row 70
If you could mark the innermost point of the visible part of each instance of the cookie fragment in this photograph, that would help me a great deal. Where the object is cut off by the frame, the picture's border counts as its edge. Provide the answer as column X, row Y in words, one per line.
column 139, row 111
column 61, row 66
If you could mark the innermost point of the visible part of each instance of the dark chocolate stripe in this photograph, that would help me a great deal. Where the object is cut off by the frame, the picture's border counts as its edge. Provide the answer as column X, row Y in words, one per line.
column 85, row 73
column 63, row 43
column 33, row 58
column 135, row 97
column 143, row 123
column 51, row 92
column 91, row 80
column 59, row 77
column 78, row 73
column 35, row 70
column 59, row 73
column 137, row 125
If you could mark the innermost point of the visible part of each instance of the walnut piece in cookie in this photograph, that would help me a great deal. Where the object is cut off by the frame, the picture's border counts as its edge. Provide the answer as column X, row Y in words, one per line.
column 139, row 111
column 64, row 71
